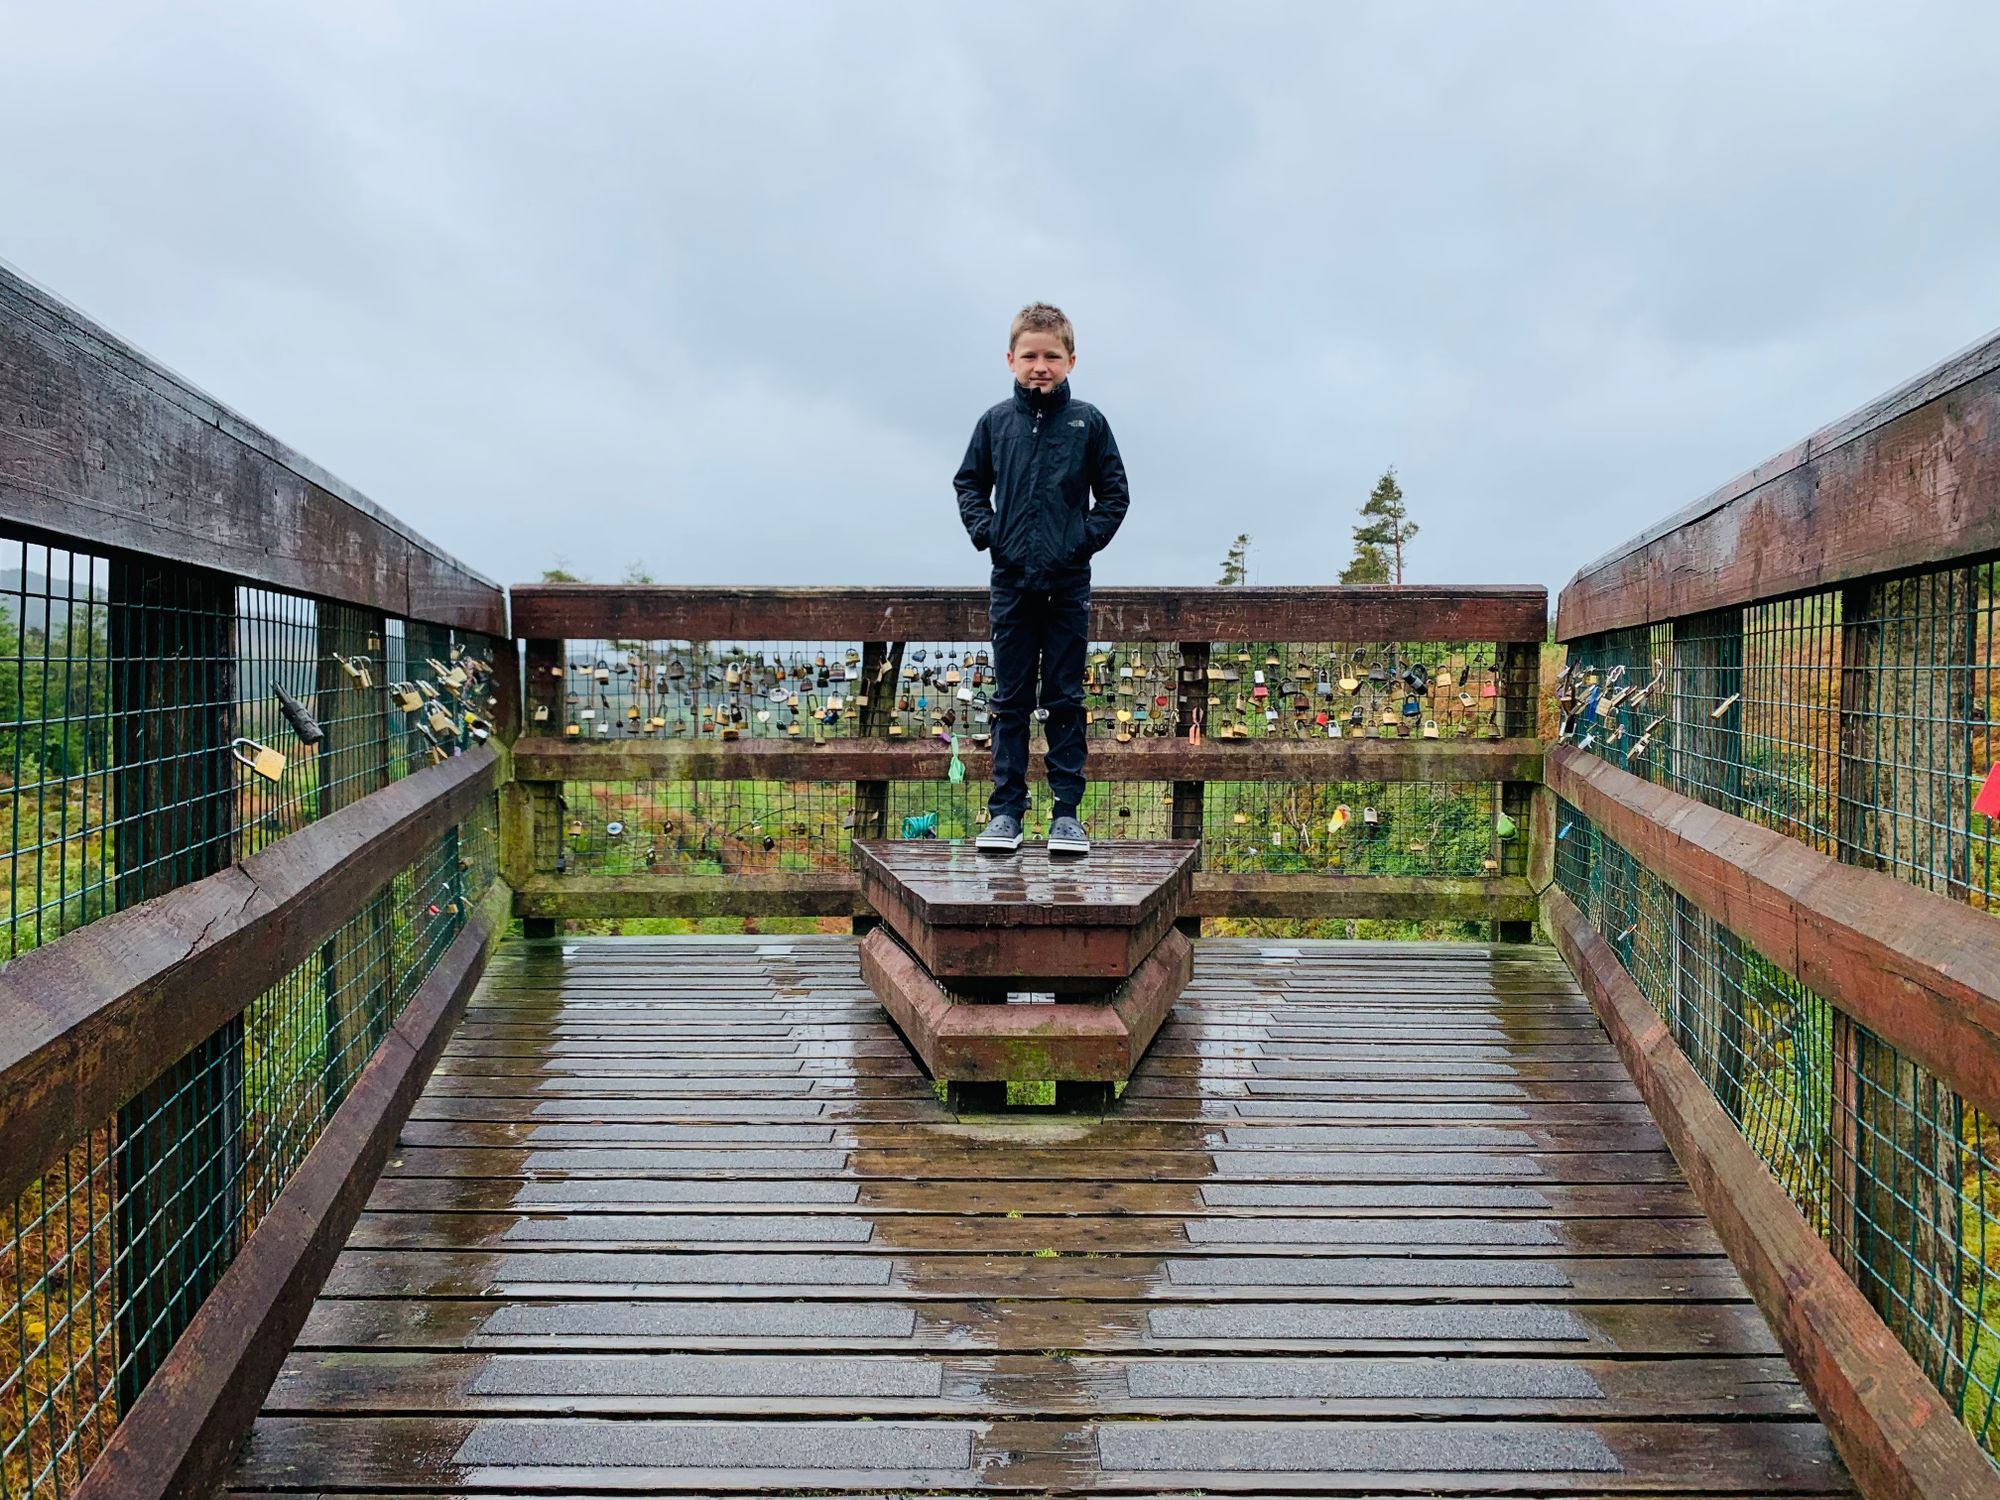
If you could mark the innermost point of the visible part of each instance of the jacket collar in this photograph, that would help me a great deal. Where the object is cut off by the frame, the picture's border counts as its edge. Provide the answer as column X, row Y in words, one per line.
column 1038, row 403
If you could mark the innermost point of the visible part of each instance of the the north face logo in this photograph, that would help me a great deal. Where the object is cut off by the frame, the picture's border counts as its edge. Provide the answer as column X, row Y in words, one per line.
column 1079, row 422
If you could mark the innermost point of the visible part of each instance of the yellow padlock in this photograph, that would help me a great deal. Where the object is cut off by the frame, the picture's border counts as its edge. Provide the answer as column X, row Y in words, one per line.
column 266, row 762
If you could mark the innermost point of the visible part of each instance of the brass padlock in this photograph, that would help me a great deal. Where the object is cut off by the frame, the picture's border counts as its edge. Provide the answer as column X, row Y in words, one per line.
column 266, row 762
column 408, row 699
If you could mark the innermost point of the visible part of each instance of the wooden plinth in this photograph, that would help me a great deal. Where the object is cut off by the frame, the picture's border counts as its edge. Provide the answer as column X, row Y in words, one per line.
column 987, row 923
column 962, row 929
column 1097, row 1040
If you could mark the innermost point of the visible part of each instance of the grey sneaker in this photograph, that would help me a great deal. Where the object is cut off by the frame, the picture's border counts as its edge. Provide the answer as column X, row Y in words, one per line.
column 1003, row 833
column 1066, row 836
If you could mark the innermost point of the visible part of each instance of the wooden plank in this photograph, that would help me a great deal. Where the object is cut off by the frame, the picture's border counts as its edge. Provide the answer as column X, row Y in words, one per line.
column 1417, row 612
column 819, row 1237
column 554, row 1455
column 1898, row 1435
column 1492, row 898
column 90, row 1019
column 365, row 1383
column 1910, row 481
column 178, row 1437
column 101, row 447
column 545, row 758
column 827, row 894
column 1920, row 970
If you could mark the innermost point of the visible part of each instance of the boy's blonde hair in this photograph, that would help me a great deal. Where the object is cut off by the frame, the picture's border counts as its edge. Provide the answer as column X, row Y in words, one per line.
column 1042, row 317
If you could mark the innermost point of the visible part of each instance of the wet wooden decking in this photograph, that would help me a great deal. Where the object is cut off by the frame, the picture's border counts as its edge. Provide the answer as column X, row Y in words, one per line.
column 682, row 1215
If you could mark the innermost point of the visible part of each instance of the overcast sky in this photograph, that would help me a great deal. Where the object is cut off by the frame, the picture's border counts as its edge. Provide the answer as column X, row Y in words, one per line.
column 721, row 289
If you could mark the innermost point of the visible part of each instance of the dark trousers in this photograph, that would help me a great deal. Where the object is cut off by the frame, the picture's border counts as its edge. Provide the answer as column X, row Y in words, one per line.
column 1038, row 639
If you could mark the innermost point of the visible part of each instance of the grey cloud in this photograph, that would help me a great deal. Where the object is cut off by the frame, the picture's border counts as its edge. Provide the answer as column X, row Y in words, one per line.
column 722, row 288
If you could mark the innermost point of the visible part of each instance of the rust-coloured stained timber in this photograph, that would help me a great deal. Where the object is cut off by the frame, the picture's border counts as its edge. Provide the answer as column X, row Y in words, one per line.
column 1076, row 1041
column 91, row 1018
column 1029, row 915
column 1898, row 1436
column 545, row 758
column 950, row 883
column 102, row 447
column 178, row 1438
column 1910, row 480
column 591, row 611
column 1500, row 898
column 1918, row 969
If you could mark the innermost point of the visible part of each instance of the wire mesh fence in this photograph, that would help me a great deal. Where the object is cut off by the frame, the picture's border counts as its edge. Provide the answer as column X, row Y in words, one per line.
column 941, row 693
column 1857, row 720
column 105, row 1259
column 823, row 690
column 1896, row 1172
column 157, row 723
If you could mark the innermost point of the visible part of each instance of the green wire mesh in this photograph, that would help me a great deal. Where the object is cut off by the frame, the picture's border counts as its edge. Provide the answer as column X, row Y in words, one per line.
column 1894, row 1171
column 125, row 684
column 924, row 692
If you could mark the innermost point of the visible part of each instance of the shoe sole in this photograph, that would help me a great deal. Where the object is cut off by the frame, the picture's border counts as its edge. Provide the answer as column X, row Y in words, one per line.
column 1068, row 846
column 1002, row 846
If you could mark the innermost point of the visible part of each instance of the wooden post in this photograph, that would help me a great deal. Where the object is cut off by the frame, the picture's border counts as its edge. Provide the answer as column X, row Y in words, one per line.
column 173, row 642
column 1518, row 670
column 1191, row 708
column 881, row 675
column 353, row 760
column 530, row 811
column 1704, row 760
column 1906, row 695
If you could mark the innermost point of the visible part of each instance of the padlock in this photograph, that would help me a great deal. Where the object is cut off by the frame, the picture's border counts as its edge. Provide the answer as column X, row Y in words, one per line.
column 440, row 721
column 541, row 713
column 304, row 725
column 266, row 762
column 1430, row 729
column 408, row 699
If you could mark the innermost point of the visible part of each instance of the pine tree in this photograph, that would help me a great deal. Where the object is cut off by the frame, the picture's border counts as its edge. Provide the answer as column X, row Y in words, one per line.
column 1236, row 566
column 1379, row 542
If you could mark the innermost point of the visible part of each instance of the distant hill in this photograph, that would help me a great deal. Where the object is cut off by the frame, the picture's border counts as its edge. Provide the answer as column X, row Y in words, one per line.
column 26, row 598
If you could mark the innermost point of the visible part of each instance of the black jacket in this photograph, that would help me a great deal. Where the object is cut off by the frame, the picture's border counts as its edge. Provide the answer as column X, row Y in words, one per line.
column 1025, row 486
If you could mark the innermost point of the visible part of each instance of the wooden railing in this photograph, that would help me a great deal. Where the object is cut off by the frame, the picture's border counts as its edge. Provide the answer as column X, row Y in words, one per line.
column 1774, row 886
column 675, row 762
column 247, row 893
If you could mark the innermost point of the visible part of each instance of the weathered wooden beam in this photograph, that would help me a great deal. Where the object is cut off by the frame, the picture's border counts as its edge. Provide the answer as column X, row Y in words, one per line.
column 540, row 758
column 1909, row 481
column 1898, row 1436
column 1400, row 898
column 588, row 611
column 103, row 448
column 90, row 1019
column 792, row 893
column 1918, row 969
column 178, row 1438
column 1502, row 898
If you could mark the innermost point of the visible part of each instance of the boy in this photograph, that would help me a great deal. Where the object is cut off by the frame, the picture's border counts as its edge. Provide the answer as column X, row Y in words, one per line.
column 1024, row 494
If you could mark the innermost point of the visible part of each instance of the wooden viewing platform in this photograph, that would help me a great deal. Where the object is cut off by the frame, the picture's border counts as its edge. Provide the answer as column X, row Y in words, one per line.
column 684, row 1215
column 1086, row 946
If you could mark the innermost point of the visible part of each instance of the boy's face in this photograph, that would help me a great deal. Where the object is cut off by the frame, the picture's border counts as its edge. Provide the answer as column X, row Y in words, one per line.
column 1039, row 360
